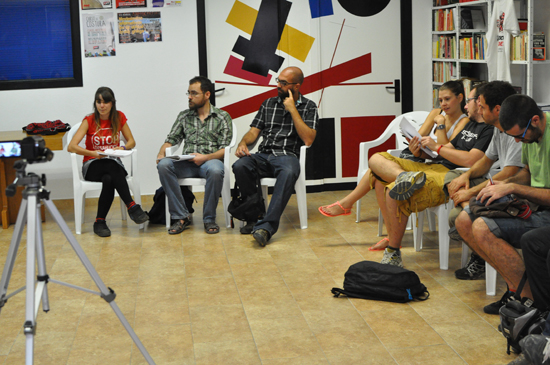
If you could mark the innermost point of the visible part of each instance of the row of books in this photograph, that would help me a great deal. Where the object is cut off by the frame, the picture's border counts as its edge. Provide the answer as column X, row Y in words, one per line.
column 444, row 2
column 443, row 20
column 473, row 47
column 520, row 47
column 443, row 71
column 443, row 46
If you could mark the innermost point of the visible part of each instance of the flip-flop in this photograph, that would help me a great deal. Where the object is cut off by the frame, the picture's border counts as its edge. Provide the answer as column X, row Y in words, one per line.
column 211, row 228
column 346, row 211
column 376, row 246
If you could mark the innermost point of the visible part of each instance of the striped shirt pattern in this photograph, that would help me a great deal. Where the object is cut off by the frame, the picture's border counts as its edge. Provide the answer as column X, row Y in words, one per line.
column 279, row 134
column 205, row 137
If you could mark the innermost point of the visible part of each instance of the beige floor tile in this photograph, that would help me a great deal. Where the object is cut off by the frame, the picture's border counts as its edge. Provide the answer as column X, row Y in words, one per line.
column 284, row 338
column 427, row 355
column 166, row 344
column 230, row 353
column 224, row 323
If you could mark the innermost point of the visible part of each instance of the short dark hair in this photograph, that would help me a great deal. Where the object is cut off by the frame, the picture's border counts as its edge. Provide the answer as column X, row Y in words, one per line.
column 518, row 110
column 495, row 92
column 477, row 86
column 206, row 84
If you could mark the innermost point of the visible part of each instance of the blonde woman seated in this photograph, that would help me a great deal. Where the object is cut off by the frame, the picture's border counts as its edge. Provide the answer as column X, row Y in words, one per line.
column 446, row 122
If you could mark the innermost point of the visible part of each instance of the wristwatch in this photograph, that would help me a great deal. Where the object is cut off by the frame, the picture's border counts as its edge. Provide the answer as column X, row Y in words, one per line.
column 440, row 126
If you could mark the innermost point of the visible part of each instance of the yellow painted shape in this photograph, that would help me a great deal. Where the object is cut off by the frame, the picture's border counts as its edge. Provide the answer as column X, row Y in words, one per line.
column 293, row 42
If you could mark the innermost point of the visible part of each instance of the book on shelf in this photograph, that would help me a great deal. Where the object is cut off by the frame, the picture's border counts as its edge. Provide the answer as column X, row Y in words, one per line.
column 443, row 46
column 466, row 1
column 539, row 47
column 443, row 20
column 466, row 19
column 519, row 46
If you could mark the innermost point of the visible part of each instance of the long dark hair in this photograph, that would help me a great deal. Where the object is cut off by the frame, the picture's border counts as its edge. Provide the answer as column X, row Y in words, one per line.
column 109, row 97
column 457, row 88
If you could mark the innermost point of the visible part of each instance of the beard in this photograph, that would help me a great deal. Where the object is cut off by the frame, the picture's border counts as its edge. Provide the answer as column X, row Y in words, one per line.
column 282, row 94
column 196, row 106
column 534, row 137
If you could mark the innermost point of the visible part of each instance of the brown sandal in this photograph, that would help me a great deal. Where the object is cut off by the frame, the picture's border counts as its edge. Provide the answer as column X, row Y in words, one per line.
column 211, row 228
column 178, row 226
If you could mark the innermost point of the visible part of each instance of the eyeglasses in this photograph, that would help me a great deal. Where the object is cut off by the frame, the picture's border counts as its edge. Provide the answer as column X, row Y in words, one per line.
column 284, row 83
column 524, row 132
column 192, row 93
column 470, row 99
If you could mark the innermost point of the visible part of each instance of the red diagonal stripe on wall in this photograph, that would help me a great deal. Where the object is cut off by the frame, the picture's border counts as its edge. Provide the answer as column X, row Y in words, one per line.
column 333, row 76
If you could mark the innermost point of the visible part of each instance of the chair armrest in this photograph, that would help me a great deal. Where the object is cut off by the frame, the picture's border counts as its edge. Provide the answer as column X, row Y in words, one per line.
column 395, row 153
column 170, row 151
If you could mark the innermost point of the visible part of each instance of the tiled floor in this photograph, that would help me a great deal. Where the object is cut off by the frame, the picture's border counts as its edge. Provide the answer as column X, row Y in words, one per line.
column 221, row 299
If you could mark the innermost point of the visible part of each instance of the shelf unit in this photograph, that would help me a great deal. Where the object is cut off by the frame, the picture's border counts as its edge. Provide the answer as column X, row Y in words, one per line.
column 478, row 67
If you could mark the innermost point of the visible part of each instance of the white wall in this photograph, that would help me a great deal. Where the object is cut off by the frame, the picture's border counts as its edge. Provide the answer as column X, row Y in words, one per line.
column 422, row 54
column 149, row 81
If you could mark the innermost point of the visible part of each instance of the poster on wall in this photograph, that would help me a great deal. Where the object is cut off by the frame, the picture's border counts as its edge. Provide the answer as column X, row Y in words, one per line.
column 137, row 27
column 96, row 4
column 131, row 3
column 172, row 2
column 99, row 34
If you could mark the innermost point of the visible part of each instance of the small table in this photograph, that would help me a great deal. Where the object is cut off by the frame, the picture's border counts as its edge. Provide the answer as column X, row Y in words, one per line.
column 10, row 205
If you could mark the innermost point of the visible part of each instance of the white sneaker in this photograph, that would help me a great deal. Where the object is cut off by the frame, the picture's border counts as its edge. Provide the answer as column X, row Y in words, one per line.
column 393, row 258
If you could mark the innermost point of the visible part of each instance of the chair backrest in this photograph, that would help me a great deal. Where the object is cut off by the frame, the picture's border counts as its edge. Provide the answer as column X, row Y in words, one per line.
column 416, row 119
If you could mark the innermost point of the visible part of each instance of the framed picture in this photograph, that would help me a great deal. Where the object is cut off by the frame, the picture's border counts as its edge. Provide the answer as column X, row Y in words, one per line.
column 131, row 3
column 98, row 31
column 139, row 27
column 96, row 4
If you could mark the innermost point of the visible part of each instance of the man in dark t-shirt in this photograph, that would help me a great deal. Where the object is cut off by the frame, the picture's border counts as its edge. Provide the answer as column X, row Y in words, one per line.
column 403, row 186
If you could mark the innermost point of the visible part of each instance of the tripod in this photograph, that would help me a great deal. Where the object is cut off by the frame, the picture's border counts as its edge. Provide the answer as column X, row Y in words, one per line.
column 29, row 213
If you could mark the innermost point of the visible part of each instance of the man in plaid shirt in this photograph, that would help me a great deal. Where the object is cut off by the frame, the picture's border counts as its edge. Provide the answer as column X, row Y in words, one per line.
column 285, row 122
column 207, row 130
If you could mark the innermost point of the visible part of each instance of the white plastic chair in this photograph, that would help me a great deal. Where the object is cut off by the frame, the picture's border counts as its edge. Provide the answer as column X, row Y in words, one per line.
column 490, row 272
column 300, row 188
column 197, row 181
column 81, row 186
column 416, row 118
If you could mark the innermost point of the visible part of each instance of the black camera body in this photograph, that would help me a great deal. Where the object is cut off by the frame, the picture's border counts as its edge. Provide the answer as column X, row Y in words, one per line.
column 33, row 149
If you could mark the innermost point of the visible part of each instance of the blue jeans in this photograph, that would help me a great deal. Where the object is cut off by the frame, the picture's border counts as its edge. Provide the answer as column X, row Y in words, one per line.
column 285, row 168
column 169, row 173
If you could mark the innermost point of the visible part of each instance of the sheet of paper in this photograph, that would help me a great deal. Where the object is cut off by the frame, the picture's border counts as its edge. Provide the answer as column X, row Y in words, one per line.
column 116, row 153
column 180, row 157
column 409, row 131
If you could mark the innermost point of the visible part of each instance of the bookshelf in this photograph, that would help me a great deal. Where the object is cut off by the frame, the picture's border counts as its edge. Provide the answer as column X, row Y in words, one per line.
column 459, row 45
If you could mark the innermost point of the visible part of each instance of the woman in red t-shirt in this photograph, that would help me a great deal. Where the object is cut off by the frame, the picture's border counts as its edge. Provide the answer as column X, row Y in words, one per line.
column 102, row 131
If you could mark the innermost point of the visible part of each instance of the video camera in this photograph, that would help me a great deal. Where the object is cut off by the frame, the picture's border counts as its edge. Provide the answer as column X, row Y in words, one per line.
column 33, row 149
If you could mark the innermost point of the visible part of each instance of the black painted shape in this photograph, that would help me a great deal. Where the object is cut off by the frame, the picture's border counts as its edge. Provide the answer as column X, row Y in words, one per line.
column 321, row 156
column 364, row 7
column 259, row 52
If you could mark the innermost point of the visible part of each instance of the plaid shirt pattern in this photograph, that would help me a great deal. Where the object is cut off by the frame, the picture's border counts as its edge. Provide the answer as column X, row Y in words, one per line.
column 279, row 134
column 205, row 137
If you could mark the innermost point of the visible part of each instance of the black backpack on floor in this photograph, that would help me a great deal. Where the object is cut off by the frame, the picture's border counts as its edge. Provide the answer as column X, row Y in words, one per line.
column 518, row 318
column 157, row 214
column 372, row 280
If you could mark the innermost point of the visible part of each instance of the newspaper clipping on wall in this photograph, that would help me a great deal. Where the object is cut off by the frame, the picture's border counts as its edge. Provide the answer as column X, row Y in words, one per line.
column 137, row 27
column 96, row 4
column 99, row 34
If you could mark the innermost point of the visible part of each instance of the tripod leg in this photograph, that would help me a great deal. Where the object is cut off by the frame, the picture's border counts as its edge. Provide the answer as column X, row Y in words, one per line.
column 12, row 252
column 106, row 293
column 41, row 261
column 30, row 326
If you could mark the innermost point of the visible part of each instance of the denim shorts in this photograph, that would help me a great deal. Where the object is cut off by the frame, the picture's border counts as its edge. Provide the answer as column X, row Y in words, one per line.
column 511, row 229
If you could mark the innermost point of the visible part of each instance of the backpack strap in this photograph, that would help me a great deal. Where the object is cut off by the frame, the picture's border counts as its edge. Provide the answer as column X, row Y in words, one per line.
column 522, row 282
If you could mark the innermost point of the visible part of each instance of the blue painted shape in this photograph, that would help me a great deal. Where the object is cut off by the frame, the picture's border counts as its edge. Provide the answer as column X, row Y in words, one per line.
column 320, row 8
column 410, row 295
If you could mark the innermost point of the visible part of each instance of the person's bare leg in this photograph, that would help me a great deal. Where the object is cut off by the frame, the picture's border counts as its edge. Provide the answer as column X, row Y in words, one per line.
column 380, row 191
column 500, row 255
column 463, row 225
column 360, row 191
column 386, row 169
column 396, row 223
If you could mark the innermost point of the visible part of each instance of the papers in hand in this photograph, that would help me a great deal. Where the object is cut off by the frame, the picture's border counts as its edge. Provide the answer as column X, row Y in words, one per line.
column 116, row 153
column 410, row 131
column 181, row 157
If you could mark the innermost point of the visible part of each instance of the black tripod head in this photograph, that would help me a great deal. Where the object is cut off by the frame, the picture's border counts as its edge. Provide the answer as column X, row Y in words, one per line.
column 30, row 180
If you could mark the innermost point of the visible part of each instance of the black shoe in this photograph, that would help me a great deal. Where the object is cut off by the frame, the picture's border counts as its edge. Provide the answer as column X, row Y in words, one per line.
column 137, row 214
column 536, row 349
column 101, row 229
column 261, row 236
column 474, row 269
column 248, row 228
column 494, row 308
